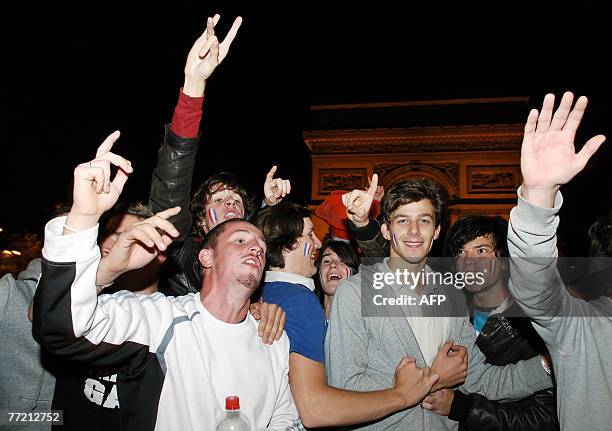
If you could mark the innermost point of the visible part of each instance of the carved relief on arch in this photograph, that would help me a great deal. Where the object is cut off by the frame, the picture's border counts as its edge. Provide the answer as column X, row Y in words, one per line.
column 387, row 176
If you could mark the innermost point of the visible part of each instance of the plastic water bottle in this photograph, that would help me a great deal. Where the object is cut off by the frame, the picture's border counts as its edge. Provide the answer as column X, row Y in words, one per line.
column 233, row 420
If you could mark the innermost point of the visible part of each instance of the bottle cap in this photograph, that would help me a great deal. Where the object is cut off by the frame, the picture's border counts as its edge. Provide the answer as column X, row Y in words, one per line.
column 232, row 403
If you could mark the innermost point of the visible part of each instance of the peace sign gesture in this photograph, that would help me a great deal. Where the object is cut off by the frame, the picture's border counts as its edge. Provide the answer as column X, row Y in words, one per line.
column 206, row 54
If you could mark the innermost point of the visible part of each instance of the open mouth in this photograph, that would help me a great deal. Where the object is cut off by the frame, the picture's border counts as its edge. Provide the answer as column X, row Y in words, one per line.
column 230, row 214
column 334, row 276
column 252, row 261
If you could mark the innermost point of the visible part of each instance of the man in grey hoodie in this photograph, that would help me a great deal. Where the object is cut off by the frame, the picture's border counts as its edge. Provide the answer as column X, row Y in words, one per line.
column 25, row 384
column 385, row 313
column 577, row 333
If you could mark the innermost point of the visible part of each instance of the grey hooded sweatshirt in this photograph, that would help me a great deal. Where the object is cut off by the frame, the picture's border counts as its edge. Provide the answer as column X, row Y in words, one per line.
column 578, row 333
column 25, row 386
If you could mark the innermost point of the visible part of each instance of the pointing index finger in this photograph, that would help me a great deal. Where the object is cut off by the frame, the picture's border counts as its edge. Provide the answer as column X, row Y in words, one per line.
column 270, row 174
column 106, row 146
column 373, row 185
column 166, row 214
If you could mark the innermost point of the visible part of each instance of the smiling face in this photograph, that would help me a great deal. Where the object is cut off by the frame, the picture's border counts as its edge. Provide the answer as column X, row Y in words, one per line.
column 411, row 231
column 479, row 256
column 301, row 259
column 238, row 255
column 331, row 271
column 223, row 204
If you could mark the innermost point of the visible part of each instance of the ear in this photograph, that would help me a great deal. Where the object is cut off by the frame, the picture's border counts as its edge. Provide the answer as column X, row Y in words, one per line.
column 437, row 232
column 385, row 231
column 294, row 246
column 205, row 257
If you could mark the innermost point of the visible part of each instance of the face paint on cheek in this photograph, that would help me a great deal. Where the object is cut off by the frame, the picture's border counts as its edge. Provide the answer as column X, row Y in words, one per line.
column 306, row 249
column 349, row 271
column 212, row 215
column 394, row 238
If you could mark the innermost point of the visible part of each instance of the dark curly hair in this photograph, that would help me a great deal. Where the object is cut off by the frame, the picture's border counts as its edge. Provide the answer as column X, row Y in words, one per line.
column 204, row 193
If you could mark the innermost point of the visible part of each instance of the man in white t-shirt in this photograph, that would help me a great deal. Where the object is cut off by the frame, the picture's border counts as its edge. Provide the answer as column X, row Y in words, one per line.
column 192, row 351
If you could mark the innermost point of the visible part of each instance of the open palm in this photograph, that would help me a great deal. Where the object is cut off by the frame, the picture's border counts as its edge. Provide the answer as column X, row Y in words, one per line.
column 548, row 155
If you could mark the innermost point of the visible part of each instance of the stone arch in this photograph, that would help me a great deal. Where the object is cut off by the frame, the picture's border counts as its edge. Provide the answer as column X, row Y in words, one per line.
column 418, row 170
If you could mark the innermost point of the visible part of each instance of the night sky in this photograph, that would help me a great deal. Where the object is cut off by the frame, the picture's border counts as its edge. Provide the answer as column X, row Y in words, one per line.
column 75, row 74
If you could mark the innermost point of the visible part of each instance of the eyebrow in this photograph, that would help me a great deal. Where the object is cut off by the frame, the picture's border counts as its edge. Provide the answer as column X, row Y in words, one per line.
column 417, row 216
column 481, row 245
column 250, row 233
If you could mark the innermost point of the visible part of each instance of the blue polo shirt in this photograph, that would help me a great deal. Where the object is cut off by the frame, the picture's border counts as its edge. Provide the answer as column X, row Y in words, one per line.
column 306, row 324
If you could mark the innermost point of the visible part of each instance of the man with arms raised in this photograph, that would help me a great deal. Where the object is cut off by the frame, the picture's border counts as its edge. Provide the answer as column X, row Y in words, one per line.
column 222, row 196
column 192, row 349
column 577, row 332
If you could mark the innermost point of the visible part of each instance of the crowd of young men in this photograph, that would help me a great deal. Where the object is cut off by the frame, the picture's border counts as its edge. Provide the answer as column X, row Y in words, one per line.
column 176, row 336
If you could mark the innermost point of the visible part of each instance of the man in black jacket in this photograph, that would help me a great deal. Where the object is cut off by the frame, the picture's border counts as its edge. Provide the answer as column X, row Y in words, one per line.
column 219, row 198
column 505, row 334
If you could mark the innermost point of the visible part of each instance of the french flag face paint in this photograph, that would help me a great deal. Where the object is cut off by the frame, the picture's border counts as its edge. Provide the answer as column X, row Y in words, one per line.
column 212, row 215
column 492, row 266
column 349, row 271
column 306, row 249
column 394, row 238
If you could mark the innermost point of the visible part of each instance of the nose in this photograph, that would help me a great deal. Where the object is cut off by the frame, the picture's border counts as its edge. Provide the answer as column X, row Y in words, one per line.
column 230, row 202
column 316, row 242
column 255, row 248
column 413, row 228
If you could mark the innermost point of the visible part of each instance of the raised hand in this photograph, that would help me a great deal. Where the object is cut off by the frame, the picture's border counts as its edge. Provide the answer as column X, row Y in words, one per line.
column 206, row 54
column 548, row 155
column 275, row 189
column 380, row 190
column 451, row 364
column 359, row 202
column 94, row 192
column 439, row 402
column 138, row 245
column 413, row 383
